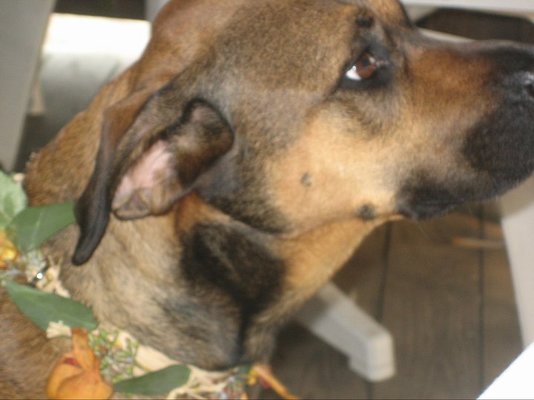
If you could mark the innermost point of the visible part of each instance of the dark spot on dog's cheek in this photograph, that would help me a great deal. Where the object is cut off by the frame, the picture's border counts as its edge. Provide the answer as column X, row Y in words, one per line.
column 306, row 180
column 366, row 212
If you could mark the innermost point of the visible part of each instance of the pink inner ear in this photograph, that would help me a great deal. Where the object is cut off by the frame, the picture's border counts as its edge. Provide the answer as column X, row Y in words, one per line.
column 153, row 168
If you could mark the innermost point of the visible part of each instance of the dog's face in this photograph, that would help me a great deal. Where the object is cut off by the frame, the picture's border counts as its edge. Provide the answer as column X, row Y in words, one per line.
column 319, row 111
column 355, row 114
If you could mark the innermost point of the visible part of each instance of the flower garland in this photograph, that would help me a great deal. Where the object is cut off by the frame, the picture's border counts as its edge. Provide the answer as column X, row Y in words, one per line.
column 103, row 359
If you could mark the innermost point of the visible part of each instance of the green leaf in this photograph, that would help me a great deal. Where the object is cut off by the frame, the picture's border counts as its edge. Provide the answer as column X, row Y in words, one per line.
column 31, row 227
column 43, row 308
column 12, row 199
column 158, row 383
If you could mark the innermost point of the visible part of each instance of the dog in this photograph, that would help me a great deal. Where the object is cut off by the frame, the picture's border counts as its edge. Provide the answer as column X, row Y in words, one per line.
column 230, row 172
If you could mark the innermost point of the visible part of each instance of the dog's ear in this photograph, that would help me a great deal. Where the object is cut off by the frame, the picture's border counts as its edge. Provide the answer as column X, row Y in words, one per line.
column 173, row 162
column 154, row 177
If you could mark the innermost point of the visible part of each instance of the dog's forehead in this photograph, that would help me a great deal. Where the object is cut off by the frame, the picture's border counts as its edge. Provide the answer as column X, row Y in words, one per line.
column 287, row 42
column 330, row 19
column 318, row 37
column 275, row 54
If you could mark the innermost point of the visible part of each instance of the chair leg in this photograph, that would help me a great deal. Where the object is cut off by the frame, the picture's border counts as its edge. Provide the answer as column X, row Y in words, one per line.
column 22, row 29
column 518, row 226
column 333, row 317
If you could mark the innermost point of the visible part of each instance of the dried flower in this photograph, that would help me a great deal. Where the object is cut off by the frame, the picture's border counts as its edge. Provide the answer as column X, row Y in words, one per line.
column 8, row 251
column 77, row 375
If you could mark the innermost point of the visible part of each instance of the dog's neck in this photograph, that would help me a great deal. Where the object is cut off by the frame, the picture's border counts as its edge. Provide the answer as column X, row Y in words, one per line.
column 308, row 259
column 270, row 275
column 220, row 292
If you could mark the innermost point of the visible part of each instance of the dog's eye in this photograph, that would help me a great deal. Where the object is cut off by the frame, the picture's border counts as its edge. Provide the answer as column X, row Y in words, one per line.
column 364, row 68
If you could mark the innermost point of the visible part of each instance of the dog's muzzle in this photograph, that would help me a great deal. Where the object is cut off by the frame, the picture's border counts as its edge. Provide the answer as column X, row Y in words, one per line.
column 499, row 148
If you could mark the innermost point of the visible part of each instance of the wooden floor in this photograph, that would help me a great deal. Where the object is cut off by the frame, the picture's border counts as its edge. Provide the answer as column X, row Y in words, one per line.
column 449, row 306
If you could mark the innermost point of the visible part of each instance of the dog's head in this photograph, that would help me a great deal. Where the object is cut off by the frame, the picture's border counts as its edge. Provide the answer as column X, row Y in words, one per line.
column 287, row 115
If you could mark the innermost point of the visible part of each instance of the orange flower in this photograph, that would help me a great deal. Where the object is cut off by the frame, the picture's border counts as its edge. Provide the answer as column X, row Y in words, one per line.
column 77, row 374
column 8, row 251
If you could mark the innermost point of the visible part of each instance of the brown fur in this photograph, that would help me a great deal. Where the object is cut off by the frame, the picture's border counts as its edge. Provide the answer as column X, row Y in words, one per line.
column 26, row 350
column 227, row 175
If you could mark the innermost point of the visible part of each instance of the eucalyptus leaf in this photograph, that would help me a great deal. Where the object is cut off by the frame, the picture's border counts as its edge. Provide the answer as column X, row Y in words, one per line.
column 43, row 308
column 31, row 227
column 158, row 383
column 12, row 199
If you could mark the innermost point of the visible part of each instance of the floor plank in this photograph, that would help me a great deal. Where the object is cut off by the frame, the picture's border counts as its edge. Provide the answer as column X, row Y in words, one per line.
column 313, row 370
column 431, row 306
column 363, row 277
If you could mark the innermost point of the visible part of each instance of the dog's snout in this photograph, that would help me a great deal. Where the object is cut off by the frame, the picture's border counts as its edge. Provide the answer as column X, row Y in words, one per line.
column 502, row 144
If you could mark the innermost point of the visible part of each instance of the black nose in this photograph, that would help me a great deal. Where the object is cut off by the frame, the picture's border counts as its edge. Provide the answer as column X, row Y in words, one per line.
column 501, row 145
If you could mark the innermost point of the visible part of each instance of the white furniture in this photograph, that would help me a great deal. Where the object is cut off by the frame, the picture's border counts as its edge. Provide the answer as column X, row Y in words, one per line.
column 516, row 381
column 518, row 225
column 338, row 321
column 22, row 27
column 152, row 8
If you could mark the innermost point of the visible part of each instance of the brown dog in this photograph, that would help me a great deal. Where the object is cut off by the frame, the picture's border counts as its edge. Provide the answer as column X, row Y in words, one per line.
column 235, row 167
